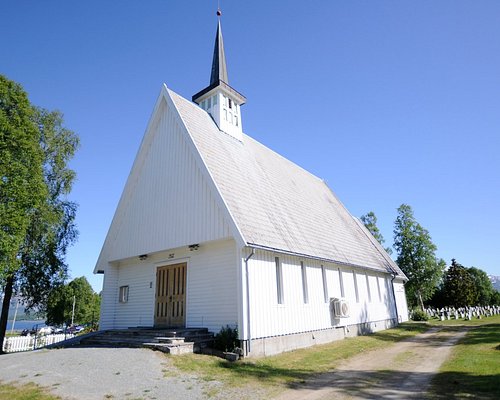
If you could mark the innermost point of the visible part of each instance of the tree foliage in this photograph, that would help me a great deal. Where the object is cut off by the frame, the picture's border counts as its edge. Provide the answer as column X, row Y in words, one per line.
column 483, row 288
column 22, row 189
column 370, row 222
column 52, row 226
column 464, row 286
column 37, row 220
column 458, row 286
column 416, row 257
column 60, row 303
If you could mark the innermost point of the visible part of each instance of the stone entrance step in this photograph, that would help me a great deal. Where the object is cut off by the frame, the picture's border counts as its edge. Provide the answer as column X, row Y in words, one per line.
column 172, row 341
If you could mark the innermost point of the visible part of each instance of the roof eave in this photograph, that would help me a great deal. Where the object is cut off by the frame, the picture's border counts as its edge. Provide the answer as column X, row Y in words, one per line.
column 223, row 87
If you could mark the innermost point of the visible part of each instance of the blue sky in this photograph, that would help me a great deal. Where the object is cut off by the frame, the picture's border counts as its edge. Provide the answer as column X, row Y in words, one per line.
column 390, row 102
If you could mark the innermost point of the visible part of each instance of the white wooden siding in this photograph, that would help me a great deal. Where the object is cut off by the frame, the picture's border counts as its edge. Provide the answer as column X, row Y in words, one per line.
column 167, row 201
column 399, row 291
column 268, row 318
column 211, row 287
column 109, row 297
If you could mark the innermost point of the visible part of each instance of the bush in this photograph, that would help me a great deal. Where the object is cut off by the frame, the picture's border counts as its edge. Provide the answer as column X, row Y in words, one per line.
column 419, row 315
column 226, row 339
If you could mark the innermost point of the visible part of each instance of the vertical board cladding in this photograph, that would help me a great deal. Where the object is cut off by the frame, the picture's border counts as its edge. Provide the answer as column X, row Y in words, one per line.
column 138, row 310
column 212, row 300
column 211, row 286
column 399, row 292
column 167, row 178
column 109, row 297
column 269, row 318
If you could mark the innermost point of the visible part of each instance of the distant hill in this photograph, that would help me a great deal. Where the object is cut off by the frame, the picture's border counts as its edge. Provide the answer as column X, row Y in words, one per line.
column 21, row 312
column 495, row 280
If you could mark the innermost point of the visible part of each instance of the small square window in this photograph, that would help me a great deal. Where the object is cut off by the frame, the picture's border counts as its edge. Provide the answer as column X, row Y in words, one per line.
column 123, row 296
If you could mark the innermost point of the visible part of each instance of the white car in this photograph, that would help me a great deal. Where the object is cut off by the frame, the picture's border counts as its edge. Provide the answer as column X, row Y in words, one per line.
column 45, row 330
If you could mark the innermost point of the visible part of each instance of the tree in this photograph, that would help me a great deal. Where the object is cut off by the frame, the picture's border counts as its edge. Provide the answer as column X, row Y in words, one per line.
column 416, row 257
column 495, row 298
column 370, row 222
column 37, row 222
column 458, row 286
column 60, row 303
column 483, row 288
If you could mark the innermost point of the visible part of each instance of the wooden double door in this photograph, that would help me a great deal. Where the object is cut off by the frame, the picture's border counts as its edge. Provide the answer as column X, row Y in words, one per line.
column 170, row 303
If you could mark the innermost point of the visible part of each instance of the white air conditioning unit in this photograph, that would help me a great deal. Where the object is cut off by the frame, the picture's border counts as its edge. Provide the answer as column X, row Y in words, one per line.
column 340, row 307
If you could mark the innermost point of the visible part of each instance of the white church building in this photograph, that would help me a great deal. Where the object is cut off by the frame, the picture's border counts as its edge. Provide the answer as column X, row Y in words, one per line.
column 213, row 229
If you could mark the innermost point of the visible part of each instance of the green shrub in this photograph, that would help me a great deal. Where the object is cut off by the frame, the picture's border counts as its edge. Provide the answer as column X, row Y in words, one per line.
column 419, row 315
column 226, row 339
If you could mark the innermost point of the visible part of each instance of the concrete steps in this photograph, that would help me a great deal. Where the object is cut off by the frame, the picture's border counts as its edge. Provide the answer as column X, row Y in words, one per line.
column 172, row 341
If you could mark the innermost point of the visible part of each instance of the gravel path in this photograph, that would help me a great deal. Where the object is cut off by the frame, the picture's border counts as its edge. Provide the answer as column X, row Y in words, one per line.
column 105, row 373
column 399, row 371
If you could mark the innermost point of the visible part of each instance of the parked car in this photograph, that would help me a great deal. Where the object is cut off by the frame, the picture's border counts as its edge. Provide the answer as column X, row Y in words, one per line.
column 45, row 330
column 75, row 329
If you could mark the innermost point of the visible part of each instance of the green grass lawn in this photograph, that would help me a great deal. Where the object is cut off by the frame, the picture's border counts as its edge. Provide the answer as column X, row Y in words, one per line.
column 24, row 392
column 473, row 370
column 292, row 367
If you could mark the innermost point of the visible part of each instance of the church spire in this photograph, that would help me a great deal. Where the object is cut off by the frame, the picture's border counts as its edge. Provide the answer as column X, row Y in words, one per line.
column 219, row 99
column 219, row 69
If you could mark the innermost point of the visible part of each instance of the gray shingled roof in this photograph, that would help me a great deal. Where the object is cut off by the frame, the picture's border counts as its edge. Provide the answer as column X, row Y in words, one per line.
column 275, row 203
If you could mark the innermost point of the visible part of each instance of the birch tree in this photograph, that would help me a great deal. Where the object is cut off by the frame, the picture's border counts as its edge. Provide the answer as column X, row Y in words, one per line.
column 416, row 256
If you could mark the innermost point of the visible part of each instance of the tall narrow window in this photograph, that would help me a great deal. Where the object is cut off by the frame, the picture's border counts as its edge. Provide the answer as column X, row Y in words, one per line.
column 230, row 103
column 279, row 280
column 355, row 286
column 325, row 283
column 341, row 281
column 378, row 288
column 209, row 102
column 368, row 289
column 305, row 292
column 215, row 100
column 123, row 295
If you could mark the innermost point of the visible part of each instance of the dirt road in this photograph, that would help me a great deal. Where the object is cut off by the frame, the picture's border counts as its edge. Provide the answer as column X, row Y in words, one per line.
column 399, row 371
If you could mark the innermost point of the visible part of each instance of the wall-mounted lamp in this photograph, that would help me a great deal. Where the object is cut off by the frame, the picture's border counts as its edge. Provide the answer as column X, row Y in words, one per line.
column 143, row 257
column 193, row 247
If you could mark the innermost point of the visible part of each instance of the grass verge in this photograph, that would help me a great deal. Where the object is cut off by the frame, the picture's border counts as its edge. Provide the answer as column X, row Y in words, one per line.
column 473, row 370
column 29, row 391
column 292, row 367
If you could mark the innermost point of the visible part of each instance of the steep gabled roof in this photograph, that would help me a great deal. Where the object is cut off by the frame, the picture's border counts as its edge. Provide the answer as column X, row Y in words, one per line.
column 276, row 204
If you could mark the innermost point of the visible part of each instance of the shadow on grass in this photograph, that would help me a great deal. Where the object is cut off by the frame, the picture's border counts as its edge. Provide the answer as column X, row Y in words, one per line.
column 484, row 334
column 267, row 373
column 396, row 335
column 458, row 385
column 379, row 384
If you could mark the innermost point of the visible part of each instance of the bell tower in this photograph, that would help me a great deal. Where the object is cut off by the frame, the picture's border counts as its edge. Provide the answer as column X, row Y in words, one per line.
column 219, row 99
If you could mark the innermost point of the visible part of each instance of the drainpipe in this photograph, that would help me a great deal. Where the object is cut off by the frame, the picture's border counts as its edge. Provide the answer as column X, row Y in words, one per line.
column 248, row 299
column 394, row 297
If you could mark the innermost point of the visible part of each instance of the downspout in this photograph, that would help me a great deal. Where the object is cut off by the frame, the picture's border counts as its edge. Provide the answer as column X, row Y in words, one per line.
column 249, row 335
column 394, row 297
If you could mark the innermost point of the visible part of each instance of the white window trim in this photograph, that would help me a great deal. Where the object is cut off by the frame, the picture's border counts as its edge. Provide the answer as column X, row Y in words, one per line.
column 123, row 294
